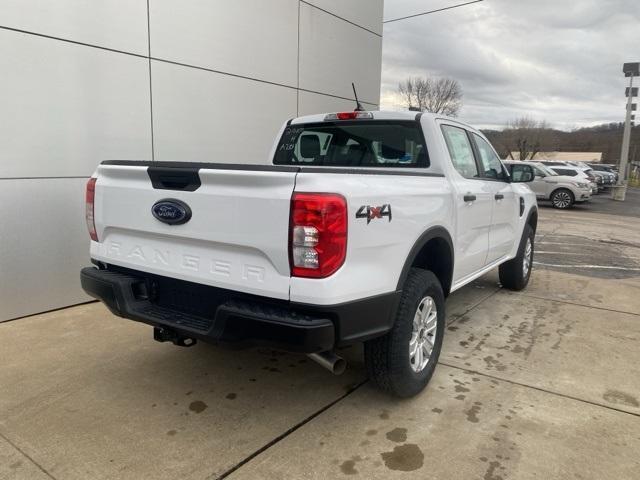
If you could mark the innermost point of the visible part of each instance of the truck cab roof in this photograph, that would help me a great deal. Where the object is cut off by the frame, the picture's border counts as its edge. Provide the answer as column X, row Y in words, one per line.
column 380, row 115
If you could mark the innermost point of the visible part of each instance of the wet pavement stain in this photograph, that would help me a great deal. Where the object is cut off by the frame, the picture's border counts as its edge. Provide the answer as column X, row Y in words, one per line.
column 397, row 435
column 436, row 410
column 621, row 398
column 231, row 396
column 404, row 458
column 371, row 432
column 472, row 414
column 198, row 406
column 171, row 433
column 384, row 415
column 348, row 467
column 490, row 474
column 492, row 363
column 561, row 333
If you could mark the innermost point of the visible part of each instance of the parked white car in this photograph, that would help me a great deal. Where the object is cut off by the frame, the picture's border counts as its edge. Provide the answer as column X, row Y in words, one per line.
column 362, row 226
column 563, row 191
column 579, row 173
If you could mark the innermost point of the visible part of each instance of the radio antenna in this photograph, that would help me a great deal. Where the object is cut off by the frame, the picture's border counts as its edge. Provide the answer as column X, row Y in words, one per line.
column 359, row 107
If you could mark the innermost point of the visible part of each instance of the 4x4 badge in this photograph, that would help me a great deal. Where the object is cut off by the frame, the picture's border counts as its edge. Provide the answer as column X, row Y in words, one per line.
column 369, row 212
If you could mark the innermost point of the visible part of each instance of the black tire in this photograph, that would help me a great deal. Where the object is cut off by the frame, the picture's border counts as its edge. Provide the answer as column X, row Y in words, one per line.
column 387, row 358
column 562, row 198
column 512, row 275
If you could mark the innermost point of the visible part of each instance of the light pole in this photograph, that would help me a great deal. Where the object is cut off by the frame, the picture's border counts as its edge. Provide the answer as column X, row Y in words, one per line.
column 630, row 70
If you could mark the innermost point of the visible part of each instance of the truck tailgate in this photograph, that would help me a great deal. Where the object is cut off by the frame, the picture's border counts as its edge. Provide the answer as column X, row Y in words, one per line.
column 236, row 238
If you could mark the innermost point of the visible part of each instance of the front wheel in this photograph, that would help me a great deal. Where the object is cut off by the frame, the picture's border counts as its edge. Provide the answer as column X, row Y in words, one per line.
column 515, row 273
column 562, row 198
column 402, row 361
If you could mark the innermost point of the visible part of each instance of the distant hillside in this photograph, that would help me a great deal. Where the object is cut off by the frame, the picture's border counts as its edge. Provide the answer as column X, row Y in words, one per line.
column 605, row 138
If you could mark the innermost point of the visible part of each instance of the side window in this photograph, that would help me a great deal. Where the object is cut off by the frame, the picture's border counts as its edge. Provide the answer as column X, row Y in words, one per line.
column 460, row 151
column 538, row 172
column 565, row 171
column 489, row 161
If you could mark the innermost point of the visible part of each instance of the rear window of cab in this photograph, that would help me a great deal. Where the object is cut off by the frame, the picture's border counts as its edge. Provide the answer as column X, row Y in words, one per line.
column 368, row 143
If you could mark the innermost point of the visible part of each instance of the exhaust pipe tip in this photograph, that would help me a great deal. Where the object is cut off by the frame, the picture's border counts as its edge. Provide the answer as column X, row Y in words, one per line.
column 339, row 366
column 329, row 360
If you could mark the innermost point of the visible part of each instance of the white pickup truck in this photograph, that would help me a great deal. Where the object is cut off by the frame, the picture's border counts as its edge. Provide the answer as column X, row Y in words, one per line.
column 363, row 225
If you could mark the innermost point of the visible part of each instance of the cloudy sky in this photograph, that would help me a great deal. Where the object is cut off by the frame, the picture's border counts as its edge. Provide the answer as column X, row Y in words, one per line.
column 557, row 60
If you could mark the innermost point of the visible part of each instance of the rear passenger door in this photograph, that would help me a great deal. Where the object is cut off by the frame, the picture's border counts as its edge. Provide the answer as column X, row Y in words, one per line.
column 473, row 204
column 506, row 204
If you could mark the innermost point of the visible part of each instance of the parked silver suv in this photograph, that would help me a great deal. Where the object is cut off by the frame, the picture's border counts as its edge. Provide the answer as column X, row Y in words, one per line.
column 563, row 191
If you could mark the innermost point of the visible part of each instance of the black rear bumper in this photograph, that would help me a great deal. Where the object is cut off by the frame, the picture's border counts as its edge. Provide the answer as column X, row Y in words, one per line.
column 213, row 314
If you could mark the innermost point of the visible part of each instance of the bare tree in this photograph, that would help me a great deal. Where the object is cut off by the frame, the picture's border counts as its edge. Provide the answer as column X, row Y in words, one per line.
column 526, row 137
column 605, row 138
column 436, row 95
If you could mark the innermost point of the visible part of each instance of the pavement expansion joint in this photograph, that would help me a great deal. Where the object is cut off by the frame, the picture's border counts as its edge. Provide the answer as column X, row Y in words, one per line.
column 544, row 390
column 284, row 435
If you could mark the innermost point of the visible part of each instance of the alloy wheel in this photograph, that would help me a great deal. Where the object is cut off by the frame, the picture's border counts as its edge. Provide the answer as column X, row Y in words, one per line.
column 561, row 200
column 527, row 257
column 423, row 335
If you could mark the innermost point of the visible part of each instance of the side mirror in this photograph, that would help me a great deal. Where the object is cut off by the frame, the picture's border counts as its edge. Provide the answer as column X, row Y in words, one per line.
column 522, row 173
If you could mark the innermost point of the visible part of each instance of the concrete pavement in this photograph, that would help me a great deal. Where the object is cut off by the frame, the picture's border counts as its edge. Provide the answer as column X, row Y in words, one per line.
column 544, row 383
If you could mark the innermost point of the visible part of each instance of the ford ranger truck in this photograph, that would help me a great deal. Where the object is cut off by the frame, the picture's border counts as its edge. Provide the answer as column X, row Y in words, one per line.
column 361, row 227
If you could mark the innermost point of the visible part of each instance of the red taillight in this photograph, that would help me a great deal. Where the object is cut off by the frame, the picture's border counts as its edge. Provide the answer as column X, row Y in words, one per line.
column 346, row 115
column 318, row 235
column 355, row 115
column 89, row 208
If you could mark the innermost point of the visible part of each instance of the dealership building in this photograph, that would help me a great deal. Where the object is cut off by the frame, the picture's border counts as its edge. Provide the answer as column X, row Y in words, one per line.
column 160, row 80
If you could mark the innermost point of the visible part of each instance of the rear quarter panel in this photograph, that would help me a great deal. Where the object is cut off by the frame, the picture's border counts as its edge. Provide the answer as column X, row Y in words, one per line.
column 376, row 251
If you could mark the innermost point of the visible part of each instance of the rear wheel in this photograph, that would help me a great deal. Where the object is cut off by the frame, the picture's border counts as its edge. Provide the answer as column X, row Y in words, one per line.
column 402, row 361
column 562, row 198
column 515, row 273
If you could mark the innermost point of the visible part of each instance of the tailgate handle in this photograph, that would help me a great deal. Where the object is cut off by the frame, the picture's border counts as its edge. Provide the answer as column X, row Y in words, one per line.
column 174, row 178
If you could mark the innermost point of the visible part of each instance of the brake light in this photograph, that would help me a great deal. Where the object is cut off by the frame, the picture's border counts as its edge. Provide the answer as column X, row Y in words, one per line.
column 318, row 234
column 355, row 115
column 89, row 208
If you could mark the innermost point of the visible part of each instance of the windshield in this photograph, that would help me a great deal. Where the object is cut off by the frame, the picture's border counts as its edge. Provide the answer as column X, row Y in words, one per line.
column 368, row 143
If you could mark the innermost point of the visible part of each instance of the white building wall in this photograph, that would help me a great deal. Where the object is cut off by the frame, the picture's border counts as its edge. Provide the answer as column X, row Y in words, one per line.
column 87, row 81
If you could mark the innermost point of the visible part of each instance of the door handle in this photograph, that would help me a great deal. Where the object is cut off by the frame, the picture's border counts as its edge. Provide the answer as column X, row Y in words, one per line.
column 498, row 196
column 469, row 198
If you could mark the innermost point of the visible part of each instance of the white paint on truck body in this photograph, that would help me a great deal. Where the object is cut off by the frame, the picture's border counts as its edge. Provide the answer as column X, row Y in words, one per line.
column 238, row 236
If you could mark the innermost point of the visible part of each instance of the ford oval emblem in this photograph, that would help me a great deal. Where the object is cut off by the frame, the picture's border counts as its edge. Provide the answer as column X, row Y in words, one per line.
column 171, row 211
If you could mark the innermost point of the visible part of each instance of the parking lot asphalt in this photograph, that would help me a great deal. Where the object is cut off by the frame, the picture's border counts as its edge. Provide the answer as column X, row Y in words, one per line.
column 543, row 383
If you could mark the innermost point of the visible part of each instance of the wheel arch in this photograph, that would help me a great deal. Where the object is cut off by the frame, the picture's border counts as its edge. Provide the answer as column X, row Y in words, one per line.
column 433, row 251
column 532, row 219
